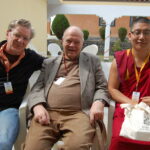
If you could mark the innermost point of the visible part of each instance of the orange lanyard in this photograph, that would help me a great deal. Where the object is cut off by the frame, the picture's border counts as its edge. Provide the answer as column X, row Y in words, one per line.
column 138, row 74
column 5, row 60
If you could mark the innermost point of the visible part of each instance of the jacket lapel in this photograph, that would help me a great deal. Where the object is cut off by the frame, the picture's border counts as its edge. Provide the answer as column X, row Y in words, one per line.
column 54, row 66
column 83, row 70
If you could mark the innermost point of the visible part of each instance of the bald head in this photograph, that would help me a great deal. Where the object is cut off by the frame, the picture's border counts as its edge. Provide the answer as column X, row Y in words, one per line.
column 72, row 42
column 74, row 30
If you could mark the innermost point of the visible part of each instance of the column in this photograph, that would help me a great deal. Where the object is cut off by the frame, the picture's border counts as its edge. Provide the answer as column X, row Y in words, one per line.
column 107, row 41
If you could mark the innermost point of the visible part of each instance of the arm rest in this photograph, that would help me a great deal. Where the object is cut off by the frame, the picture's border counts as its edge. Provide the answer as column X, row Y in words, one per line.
column 23, row 113
column 111, row 109
column 23, row 123
column 103, row 135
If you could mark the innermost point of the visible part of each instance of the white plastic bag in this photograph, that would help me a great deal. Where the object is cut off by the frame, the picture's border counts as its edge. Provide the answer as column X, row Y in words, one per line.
column 136, row 124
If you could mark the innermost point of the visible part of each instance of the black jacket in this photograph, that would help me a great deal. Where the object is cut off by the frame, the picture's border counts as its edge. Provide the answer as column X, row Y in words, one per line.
column 18, row 76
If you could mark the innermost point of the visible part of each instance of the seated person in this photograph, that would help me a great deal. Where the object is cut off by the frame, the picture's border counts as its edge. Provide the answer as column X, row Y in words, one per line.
column 129, row 80
column 16, row 66
column 68, row 98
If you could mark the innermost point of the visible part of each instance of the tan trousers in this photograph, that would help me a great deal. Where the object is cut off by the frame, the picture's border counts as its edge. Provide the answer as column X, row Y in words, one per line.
column 73, row 128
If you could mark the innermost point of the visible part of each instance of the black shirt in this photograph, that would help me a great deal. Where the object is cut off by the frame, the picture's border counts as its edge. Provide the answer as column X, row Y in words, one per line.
column 18, row 76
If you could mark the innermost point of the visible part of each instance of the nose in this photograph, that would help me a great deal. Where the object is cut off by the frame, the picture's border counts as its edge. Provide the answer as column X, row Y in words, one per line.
column 72, row 44
column 141, row 36
column 21, row 39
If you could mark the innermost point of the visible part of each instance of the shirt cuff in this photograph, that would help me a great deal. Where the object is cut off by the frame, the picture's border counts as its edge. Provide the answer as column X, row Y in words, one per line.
column 103, row 101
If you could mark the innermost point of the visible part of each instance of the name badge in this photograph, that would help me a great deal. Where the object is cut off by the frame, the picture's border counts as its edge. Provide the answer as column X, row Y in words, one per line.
column 59, row 81
column 8, row 88
column 135, row 96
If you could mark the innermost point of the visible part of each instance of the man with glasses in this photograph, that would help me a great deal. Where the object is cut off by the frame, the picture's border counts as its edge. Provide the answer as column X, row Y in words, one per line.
column 129, row 81
column 16, row 66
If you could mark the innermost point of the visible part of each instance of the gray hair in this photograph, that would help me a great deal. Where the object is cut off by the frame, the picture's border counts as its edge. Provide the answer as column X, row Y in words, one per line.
column 23, row 23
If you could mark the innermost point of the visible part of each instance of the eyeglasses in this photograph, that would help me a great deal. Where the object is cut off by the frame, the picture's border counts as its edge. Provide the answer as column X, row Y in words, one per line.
column 17, row 35
column 139, row 32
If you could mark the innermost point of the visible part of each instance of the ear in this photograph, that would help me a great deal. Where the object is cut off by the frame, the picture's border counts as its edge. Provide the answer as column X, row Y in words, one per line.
column 61, row 41
column 7, row 33
column 129, row 36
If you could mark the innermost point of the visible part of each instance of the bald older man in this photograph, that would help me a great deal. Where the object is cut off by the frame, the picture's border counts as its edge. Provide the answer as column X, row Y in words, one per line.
column 68, row 98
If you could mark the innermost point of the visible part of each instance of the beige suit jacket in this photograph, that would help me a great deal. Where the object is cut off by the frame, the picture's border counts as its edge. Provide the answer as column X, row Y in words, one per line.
column 93, row 82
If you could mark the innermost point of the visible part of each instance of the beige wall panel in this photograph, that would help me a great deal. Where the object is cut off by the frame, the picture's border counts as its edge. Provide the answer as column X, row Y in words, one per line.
column 33, row 10
column 88, row 22
column 120, row 22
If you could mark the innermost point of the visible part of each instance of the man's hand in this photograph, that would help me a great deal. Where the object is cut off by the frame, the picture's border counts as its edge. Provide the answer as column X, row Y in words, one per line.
column 146, row 100
column 96, row 111
column 41, row 115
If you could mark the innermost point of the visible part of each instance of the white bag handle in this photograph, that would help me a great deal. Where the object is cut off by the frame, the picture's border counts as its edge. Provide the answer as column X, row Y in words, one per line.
column 141, row 105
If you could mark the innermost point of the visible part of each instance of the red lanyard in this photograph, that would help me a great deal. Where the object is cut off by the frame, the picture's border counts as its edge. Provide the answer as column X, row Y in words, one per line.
column 66, row 68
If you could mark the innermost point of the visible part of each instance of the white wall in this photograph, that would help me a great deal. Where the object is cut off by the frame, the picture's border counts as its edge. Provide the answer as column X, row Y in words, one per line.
column 108, row 12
